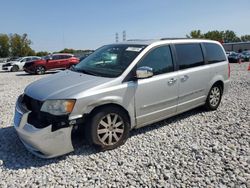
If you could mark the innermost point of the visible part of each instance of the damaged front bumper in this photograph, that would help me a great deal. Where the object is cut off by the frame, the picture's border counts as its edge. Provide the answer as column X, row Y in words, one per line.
column 43, row 142
column 7, row 68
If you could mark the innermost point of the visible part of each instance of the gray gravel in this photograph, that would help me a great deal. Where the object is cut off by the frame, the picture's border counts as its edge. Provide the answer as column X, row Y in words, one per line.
column 194, row 149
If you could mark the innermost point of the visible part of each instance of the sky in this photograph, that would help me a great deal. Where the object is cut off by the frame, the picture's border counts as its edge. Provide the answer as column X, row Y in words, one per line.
column 53, row 25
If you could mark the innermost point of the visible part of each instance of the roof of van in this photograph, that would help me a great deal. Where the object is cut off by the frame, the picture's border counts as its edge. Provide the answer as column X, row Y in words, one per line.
column 170, row 40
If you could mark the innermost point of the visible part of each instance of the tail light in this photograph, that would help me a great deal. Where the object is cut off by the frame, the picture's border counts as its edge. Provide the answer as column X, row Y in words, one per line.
column 228, row 70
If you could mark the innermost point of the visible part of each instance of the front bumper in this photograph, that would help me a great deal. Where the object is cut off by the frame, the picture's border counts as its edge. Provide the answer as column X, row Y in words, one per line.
column 7, row 68
column 42, row 142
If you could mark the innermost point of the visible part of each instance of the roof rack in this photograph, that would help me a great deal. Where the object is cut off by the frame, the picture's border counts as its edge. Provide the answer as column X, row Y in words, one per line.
column 140, row 39
column 174, row 38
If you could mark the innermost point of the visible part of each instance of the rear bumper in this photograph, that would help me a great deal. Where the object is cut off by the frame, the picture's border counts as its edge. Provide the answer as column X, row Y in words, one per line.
column 41, row 142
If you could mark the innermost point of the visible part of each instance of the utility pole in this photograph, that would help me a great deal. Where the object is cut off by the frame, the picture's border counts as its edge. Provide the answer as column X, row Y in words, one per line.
column 116, row 37
column 124, row 35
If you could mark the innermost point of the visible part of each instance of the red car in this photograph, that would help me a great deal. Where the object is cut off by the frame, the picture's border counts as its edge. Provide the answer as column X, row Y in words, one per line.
column 50, row 62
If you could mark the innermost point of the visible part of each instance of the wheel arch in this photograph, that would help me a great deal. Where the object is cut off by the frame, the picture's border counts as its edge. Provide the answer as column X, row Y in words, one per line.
column 216, row 80
column 96, row 108
column 41, row 66
column 219, row 83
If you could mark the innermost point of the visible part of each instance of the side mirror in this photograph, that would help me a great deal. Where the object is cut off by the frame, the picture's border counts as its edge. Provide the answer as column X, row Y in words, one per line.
column 144, row 72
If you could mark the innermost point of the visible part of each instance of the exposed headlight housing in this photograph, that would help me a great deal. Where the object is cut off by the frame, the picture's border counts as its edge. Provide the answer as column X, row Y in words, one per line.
column 58, row 107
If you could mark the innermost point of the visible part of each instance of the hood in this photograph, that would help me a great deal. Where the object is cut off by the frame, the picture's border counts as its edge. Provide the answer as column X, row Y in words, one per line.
column 64, row 85
column 13, row 62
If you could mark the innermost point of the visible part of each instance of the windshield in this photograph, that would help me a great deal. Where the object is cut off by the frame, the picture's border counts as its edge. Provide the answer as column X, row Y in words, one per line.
column 46, row 57
column 109, row 61
column 18, row 59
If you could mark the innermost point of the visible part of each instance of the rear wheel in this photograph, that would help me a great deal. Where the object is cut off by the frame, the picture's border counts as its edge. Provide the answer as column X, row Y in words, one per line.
column 214, row 97
column 15, row 68
column 40, row 70
column 108, row 128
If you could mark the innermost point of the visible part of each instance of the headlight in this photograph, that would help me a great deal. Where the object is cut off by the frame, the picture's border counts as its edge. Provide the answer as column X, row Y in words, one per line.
column 58, row 107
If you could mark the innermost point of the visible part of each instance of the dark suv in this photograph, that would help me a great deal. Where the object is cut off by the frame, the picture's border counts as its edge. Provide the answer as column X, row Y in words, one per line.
column 50, row 62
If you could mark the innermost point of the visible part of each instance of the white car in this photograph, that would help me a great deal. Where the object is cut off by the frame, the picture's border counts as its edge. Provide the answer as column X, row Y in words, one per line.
column 18, row 64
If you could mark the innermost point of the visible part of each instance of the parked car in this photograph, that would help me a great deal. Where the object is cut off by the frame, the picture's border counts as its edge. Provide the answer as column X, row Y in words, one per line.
column 12, row 59
column 120, row 87
column 229, row 52
column 18, row 64
column 245, row 55
column 234, row 57
column 83, row 57
column 51, row 62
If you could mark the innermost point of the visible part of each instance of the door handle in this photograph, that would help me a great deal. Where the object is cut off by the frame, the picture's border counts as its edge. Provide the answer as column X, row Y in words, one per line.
column 172, row 81
column 184, row 78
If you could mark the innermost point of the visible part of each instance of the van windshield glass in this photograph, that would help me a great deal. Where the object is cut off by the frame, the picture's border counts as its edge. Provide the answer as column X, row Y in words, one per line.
column 109, row 61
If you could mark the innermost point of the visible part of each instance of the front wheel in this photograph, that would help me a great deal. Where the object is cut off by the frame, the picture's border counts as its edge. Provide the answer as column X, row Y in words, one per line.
column 40, row 70
column 108, row 128
column 214, row 97
column 15, row 68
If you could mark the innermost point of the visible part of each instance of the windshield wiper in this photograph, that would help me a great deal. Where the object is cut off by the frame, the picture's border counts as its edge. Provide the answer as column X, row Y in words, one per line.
column 83, row 71
column 88, row 72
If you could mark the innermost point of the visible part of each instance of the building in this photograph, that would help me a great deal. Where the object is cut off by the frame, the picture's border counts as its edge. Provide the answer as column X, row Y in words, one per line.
column 237, row 46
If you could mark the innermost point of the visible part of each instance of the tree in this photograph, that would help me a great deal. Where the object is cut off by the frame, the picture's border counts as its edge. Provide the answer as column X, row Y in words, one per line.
column 42, row 53
column 245, row 38
column 230, row 36
column 214, row 35
column 195, row 34
column 4, row 45
column 67, row 50
column 20, row 45
column 222, row 36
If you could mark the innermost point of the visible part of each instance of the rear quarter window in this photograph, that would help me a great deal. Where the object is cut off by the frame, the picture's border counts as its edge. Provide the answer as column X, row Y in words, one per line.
column 214, row 53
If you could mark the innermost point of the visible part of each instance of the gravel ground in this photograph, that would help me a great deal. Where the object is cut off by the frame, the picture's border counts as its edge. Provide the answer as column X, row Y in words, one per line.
column 194, row 149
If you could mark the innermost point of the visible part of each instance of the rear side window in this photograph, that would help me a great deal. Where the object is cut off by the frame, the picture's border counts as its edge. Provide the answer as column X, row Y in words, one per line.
column 160, row 59
column 65, row 56
column 189, row 55
column 214, row 53
column 56, row 57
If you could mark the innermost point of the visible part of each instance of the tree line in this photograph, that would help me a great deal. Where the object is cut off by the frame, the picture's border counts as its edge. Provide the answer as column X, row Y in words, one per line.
column 222, row 36
column 16, row 45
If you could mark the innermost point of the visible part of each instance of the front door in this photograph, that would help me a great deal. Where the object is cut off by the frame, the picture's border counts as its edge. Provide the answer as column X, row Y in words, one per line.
column 156, row 97
column 54, row 62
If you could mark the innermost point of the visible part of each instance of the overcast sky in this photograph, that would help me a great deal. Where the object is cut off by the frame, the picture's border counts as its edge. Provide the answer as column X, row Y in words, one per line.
column 80, row 24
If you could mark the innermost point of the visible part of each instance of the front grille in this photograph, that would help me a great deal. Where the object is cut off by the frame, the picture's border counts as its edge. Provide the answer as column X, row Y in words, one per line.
column 6, row 65
column 32, row 104
column 41, row 119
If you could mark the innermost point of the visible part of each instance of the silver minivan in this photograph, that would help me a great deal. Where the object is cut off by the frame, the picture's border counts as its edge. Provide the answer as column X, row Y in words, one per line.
column 117, row 88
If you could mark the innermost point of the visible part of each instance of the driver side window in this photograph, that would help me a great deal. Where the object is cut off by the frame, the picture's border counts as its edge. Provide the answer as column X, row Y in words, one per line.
column 160, row 59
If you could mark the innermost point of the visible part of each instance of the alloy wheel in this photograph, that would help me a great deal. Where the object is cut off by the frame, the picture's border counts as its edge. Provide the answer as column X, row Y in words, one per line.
column 40, row 70
column 110, row 129
column 214, row 97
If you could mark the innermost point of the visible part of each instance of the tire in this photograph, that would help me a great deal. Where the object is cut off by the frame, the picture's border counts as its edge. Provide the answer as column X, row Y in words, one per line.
column 107, row 128
column 214, row 97
column 70, row 67
column 15, row 68
column 40, row 70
